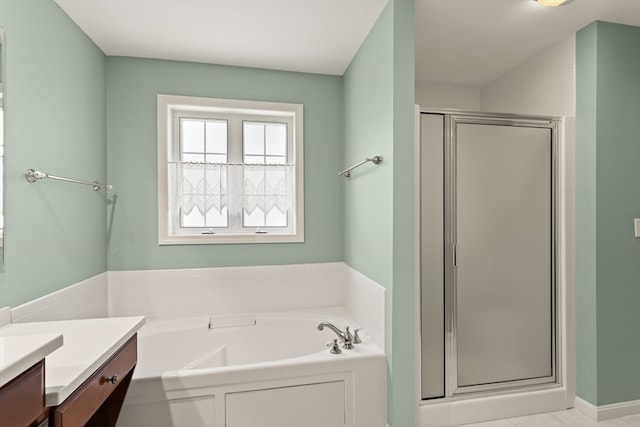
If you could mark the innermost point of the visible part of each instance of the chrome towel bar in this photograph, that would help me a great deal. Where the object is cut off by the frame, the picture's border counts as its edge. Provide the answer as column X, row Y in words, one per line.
column 33, row 175
column 347, row 172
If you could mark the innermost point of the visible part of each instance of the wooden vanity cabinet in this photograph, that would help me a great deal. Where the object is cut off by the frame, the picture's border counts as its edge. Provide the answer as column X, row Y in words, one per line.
column 22, row 399
column 97, row 402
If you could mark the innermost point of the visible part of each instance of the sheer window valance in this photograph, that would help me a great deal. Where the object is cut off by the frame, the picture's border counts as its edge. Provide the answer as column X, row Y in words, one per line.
column 207, row 186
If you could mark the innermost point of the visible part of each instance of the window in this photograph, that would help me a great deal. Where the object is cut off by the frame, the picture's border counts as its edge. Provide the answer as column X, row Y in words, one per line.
column 229, row 171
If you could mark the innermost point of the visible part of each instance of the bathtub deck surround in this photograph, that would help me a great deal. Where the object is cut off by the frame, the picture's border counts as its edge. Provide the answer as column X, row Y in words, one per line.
column 293, row 368
column 161, row 294
column 208, row 291
column 5, row 316
column 83, row 300
column 276, row 372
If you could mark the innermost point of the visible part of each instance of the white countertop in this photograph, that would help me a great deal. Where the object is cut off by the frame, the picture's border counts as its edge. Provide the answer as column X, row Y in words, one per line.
column 88, row 343
column 17, row 354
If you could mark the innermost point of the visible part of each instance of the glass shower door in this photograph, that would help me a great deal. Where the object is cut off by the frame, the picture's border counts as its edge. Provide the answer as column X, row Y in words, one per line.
column 503, row 267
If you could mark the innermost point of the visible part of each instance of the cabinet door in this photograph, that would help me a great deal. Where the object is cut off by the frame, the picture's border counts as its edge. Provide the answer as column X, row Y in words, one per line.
column 22, row 399
column 312, row 405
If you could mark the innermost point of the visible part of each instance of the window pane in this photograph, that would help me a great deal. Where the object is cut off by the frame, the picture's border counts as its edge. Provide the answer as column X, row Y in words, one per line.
column 193, row 181
column 216, row 137
column 254, row 159
column 275, row 218
column 215, row 190
column 217, row 219
column 276, row 181
column 192, row 135
column 193, row 219
column 189, row 157
column 277, row 160
column 216, row 158
column 276, row 139
column 253, row 135
column 216, row 180
column 254, row 219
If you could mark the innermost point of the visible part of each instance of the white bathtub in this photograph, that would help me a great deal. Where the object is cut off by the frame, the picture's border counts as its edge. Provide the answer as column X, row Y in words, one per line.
column 277, row 372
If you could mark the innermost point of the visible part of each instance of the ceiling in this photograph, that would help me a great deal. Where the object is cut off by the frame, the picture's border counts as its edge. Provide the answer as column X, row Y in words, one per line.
column 461, row 42
column 317, row 36
column 472, row 42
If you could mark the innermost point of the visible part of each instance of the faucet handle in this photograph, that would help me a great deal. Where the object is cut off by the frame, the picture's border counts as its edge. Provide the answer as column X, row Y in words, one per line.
column 335, row 348
column 348, row 339
column 356, row 337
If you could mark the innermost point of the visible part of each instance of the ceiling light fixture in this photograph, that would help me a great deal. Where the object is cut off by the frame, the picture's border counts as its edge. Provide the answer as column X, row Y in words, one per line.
column 552, row 3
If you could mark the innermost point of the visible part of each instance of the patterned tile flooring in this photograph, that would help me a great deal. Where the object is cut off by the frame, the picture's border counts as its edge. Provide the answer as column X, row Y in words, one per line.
column 569, row 418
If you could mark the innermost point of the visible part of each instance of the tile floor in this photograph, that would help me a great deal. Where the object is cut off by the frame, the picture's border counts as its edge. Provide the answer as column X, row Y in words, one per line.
column 569, row 418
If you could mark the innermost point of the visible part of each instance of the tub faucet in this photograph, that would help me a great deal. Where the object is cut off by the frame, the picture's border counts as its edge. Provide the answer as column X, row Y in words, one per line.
column 345, row 337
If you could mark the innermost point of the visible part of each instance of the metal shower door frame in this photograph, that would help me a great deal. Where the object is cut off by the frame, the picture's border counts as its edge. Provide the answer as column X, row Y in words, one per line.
column 450, row 238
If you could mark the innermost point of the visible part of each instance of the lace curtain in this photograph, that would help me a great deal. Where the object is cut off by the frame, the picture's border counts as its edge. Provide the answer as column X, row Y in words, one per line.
column 206, row 186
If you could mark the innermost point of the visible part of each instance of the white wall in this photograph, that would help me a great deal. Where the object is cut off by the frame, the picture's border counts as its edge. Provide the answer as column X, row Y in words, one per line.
column 430, row 96
column 543, row 85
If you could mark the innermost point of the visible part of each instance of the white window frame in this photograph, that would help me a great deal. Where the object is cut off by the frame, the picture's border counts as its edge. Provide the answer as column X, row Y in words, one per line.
column 172, row 106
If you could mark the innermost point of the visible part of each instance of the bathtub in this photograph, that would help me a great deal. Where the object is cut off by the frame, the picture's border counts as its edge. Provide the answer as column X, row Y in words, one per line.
column 254, row 370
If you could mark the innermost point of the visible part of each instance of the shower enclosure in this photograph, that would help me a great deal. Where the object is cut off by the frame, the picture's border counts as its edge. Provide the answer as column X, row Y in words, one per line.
column 488, row 253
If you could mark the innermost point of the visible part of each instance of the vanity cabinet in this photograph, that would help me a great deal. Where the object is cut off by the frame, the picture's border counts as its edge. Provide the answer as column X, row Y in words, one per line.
column 22, row 399
column 87, row 373
column 97, row 402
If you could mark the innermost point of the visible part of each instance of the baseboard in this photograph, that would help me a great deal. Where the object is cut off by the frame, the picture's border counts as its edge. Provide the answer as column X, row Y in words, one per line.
column 587, row 408
column 608, row 412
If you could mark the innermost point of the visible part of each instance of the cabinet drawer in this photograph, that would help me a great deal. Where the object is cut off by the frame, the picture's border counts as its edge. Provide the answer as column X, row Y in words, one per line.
column 78, row 408
column 22, row 399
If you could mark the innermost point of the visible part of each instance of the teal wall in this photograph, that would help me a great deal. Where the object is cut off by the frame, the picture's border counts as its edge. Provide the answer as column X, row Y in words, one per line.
column 585, row 220
column 57, row 108
column 379, row 201
column 607, row 200
column 402, row 390
column 132, row 160
column 368, row 115
column 55, row 122
column 73, row 112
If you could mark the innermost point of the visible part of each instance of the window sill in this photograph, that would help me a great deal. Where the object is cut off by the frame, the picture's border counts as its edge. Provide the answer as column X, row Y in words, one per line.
column 229, row 239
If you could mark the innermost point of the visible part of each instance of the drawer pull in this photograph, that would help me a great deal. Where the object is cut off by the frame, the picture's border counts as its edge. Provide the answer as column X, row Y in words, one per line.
column 112, row 379
column 96, row 395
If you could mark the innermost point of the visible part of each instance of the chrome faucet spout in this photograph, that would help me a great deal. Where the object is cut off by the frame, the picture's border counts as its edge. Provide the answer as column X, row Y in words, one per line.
column 333, row 327
column 345, row 337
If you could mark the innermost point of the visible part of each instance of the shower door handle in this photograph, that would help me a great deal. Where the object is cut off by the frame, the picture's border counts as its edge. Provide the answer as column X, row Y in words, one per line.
column 455, row 255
